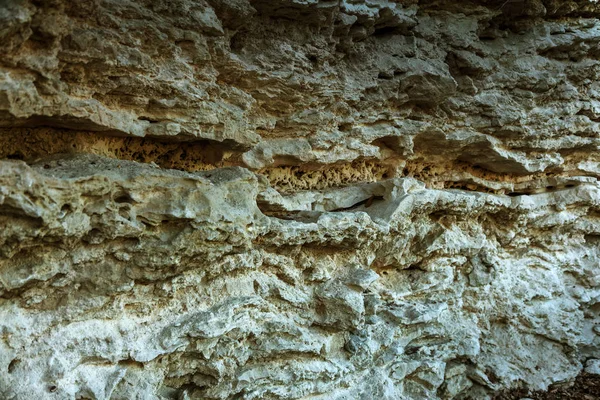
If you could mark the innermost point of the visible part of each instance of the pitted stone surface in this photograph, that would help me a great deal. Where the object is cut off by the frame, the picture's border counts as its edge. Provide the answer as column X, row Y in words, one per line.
column 297, row 199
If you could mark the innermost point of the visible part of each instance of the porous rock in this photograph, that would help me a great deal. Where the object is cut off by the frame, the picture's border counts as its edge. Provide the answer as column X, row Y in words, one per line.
column 286, row 199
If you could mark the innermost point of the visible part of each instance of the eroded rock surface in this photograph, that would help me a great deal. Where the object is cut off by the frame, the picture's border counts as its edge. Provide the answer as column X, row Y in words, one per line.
column 291, row 199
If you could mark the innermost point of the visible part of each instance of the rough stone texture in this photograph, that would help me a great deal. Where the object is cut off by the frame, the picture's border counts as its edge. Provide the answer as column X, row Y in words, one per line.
column 284, row 199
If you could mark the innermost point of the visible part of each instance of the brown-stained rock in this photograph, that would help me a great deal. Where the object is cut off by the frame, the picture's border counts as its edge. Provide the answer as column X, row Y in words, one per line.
column 299, row 199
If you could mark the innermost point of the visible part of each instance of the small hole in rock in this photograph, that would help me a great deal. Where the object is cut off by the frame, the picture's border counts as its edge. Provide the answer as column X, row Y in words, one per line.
column 52, row 388
column 383, row 75
column 13, row 364
column 386, row 30
column 237, row 42
column 344, row 127
column 124, row 198
column 16, row 156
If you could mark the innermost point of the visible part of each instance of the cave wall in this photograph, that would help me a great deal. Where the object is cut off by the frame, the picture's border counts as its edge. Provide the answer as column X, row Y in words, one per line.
column 286, row 199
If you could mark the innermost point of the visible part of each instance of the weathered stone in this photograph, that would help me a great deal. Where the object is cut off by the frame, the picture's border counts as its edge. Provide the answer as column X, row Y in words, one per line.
column 260, row 199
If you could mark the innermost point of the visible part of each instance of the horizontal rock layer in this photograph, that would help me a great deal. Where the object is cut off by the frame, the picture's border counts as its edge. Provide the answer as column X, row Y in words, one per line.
column 297, row 199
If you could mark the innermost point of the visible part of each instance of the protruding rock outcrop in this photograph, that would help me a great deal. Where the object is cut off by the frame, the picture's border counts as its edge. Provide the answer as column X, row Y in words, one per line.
column 297, row 199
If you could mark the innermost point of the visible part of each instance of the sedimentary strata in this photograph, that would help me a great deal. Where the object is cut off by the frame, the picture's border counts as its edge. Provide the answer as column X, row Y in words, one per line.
column 297, row 199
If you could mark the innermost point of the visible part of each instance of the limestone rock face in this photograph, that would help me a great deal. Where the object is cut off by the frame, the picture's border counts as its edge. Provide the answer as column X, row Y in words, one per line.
column 288, row 199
